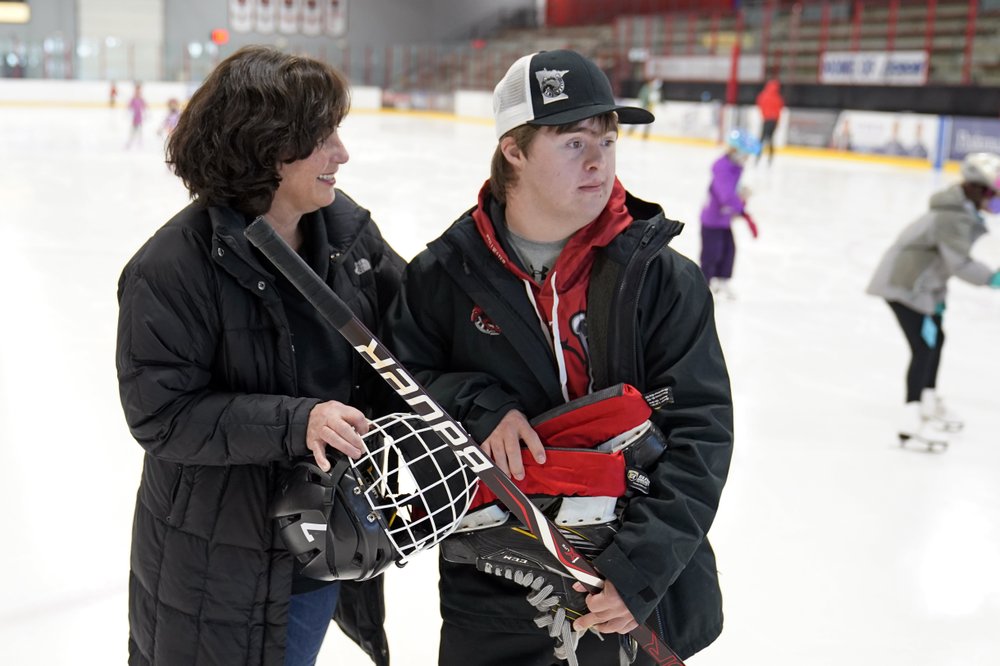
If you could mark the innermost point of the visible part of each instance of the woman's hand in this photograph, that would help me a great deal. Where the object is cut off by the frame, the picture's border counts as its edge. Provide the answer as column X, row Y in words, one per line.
column 338, row 425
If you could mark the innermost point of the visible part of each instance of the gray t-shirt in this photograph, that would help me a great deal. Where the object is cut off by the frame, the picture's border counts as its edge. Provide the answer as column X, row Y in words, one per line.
column 537, row 258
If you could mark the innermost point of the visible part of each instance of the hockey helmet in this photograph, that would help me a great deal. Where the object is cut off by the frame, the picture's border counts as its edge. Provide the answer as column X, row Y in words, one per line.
column 743, row 142
column 408, row 491
column 982, row 169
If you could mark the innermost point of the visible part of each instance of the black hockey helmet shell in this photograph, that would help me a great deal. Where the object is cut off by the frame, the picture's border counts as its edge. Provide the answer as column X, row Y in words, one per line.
column 325, row 522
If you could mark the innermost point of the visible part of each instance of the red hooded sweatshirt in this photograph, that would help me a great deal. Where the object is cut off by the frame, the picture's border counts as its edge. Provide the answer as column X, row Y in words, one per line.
column 561, row 300
column 769, row 101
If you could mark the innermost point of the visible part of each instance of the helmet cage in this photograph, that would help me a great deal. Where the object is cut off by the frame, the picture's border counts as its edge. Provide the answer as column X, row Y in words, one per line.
column 407, row 492
column 414, row 482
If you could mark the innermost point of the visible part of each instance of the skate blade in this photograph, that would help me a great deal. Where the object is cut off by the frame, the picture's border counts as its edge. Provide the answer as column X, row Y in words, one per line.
column 950, row 426
column 922, row 445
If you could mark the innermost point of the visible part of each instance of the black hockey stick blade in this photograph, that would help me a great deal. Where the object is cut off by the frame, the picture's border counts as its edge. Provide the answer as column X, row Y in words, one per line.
column 336, row 312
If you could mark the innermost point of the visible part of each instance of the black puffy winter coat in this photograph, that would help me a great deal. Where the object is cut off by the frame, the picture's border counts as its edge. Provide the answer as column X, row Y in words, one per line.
column 207, row 378
column 658, row 330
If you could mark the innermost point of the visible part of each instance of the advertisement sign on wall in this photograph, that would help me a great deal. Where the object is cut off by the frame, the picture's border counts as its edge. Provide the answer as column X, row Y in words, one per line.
column 899, row 68
column 812, row 128
column 973, row 135
column 873, row 132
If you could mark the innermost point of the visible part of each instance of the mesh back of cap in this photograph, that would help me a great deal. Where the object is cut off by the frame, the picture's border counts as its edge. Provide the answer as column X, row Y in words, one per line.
column 512, row 98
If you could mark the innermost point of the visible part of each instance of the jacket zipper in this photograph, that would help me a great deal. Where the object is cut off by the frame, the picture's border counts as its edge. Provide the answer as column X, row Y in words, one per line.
column 614, row 331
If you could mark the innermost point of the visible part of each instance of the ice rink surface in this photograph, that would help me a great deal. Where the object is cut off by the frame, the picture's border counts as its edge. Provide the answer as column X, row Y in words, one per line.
column 833, row 544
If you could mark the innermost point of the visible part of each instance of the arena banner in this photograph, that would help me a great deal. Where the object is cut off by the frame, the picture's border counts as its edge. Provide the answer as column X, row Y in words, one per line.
column 877, row 68
column 336, row 18
column 241, row 15
column 879, row 133
column 312, row 17
column 266, row 12
column 973, row 135
column 288, row 17
column 704, row 68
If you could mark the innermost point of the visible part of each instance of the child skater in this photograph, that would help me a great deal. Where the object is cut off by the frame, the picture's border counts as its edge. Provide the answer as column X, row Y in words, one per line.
column 137, row 109
column 170, row 120
column 726, row 200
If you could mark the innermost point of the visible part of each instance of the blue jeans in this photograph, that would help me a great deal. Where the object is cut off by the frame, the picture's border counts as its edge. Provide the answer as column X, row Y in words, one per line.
column 309, row 616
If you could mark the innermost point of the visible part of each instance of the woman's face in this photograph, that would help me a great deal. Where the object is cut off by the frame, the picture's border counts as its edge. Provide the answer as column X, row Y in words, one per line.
column 308, row 184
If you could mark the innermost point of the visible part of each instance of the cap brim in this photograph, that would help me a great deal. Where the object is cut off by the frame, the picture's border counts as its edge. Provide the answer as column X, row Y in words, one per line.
column 627, row 115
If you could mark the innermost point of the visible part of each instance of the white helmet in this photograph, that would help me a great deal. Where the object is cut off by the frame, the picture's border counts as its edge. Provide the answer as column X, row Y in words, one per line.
column 982, row 169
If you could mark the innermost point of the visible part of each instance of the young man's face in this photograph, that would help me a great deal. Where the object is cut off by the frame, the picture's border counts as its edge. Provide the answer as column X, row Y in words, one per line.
column 566, row 179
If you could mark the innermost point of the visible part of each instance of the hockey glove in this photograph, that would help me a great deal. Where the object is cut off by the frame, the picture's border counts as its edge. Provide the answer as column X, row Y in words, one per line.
column 929, row 331
column 558, row 606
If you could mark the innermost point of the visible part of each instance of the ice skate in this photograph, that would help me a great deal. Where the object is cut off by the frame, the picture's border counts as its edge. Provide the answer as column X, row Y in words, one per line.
column 917, row 434
column 721, row 289
column 938, row 416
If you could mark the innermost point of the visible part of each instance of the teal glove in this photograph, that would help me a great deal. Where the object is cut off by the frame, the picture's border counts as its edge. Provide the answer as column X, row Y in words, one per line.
column 995, row 280
column 939, row 308
column 929, row 331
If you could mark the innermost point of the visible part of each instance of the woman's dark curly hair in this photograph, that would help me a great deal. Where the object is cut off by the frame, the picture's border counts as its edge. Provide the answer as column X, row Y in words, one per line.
column 258, row 109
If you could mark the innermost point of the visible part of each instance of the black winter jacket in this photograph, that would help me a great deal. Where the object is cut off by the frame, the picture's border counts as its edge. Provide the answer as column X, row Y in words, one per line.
column 207, row 378
column 660, row 332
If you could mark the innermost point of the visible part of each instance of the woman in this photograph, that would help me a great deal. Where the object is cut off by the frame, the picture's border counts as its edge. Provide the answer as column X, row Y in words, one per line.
column 227, row 374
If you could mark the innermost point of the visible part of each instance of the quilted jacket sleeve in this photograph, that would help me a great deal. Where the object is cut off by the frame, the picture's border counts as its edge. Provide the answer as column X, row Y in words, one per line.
column 169, row 337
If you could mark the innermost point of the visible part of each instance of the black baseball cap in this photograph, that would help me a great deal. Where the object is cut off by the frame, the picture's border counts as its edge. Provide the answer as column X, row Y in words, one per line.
column 556, row 88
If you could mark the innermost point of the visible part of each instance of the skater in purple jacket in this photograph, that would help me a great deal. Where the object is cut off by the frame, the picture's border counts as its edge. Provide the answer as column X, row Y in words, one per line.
column 726, row 200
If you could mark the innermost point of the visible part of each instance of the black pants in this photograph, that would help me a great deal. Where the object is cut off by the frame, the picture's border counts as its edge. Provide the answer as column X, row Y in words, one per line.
column 767, row 138
column 474, row 647
column 924, row 359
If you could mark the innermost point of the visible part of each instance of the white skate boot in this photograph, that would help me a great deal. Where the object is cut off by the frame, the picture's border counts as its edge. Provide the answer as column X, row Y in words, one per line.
column 723, row 290
column 937, row 414
column 916, row 430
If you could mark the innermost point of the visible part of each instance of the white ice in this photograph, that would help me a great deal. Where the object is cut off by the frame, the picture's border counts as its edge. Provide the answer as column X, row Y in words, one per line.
column 833, row 544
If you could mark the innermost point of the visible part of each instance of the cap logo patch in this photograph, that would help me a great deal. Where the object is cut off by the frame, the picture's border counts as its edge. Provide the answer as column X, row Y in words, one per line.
column 552, row 85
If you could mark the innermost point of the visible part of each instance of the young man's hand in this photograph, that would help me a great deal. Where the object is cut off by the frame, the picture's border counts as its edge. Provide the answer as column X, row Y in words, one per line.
column 504, row 444
column 608, row 613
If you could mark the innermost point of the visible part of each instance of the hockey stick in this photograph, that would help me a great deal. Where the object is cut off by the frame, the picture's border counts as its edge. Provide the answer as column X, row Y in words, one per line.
column 335, row 311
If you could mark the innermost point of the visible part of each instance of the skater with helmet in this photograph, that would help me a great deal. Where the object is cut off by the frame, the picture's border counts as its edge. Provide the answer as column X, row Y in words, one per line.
column 727, row 198
column 913, row 277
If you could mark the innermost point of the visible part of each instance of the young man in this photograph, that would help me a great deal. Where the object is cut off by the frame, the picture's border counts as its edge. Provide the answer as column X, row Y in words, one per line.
column 494, row 319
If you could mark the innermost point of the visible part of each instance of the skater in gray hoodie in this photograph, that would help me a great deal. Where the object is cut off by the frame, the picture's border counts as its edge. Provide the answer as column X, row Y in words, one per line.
column 913, row 278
